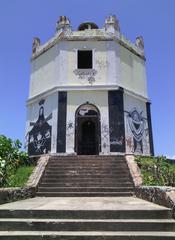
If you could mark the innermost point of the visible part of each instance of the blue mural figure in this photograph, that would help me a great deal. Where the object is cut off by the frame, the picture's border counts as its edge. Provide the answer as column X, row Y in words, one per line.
column 136, row 124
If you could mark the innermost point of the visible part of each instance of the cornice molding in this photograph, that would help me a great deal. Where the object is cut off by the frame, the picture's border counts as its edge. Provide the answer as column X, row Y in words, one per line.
column 83, row 88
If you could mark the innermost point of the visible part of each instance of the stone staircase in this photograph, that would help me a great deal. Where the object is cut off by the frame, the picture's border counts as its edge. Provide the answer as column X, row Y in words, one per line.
column 84, row 218
column 86, row 198
column 86, row 176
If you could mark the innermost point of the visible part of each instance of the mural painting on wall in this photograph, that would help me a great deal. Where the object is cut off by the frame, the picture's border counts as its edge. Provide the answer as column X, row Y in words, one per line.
column 136, row 125
column 39, row 139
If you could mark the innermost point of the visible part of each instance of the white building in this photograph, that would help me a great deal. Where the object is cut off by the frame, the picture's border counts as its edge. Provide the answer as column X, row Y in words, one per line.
column 88, row 93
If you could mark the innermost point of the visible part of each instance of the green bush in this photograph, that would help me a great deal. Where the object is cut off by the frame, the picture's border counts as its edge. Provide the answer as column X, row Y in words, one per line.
column 11, row 157
column 156, row 171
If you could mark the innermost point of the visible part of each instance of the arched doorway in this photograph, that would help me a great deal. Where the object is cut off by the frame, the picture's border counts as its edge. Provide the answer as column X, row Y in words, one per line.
column 87, row 131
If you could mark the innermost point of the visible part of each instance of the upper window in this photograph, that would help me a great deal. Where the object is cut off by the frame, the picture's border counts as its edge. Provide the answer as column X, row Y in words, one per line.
column 84, row 59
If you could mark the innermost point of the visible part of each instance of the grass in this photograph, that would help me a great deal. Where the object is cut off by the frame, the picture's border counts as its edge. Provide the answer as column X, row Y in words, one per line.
column 19, row 179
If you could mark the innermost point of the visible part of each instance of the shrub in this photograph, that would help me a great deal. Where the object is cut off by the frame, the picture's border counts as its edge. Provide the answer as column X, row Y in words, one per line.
column 156, row 171
column 11, row 157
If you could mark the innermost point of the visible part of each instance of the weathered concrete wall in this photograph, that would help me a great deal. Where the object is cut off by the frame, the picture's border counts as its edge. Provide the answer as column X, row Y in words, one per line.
column 99, row 61
column 134, row 107
column 133, row 75
column 38, row 171
column 113, row 64
column 134, row 170
column 14, row 194
column 164, row 196
column 44, row 73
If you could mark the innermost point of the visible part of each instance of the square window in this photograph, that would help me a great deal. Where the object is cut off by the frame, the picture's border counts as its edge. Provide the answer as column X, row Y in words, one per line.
column 84, row 59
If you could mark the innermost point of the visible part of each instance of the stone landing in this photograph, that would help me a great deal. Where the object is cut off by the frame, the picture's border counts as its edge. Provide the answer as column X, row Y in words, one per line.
column 86, row 218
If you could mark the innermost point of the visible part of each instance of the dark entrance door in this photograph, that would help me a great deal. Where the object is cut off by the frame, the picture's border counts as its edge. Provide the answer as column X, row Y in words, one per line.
column 87, row 133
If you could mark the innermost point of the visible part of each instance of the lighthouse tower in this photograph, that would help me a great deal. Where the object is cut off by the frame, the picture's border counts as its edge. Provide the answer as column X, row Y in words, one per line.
column 88, row 93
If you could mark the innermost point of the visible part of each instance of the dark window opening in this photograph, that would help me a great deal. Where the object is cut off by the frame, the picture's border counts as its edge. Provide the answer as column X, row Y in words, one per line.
column 84, row 59
column 87, row 25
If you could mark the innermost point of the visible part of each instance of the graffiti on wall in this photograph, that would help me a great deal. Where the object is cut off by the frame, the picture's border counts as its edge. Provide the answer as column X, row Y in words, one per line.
column 86, row 75
column 117, row 141
column 105, row 136
column 105, row 131
column 137, row 127
column 70, row 128
column 39, row 138
column 101, row 64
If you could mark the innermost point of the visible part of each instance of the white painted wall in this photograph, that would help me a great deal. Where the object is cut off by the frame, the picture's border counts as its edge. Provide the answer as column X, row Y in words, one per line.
column 133, row 75
column 43, row 72
column 99, row 62
column 113, row 61
column 115, row 65
column 100, row 100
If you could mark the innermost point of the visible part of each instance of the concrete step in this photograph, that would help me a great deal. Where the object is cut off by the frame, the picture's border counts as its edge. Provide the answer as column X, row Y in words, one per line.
column 86, row 235
column 87, row 157
column 93, row 171
column 88, row 189
column 85, row 218
column 84, row 194
column 85, row 161
column 83, row 189
column 84, row 184
column 79, row 185
column 104, row 177
column 87, row 168
column 86, row 164
column 93, row 163
column 125, row 184
column 86, row 225
column 88, row 179
column 97, row 161
column 86, row 176
column 87, row 214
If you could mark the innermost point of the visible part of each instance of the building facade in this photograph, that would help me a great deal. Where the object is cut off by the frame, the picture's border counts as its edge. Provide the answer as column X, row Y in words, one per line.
column 88, row 93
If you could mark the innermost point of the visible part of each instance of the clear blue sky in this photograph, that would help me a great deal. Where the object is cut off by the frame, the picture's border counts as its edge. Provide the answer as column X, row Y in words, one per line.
column 21, row 20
